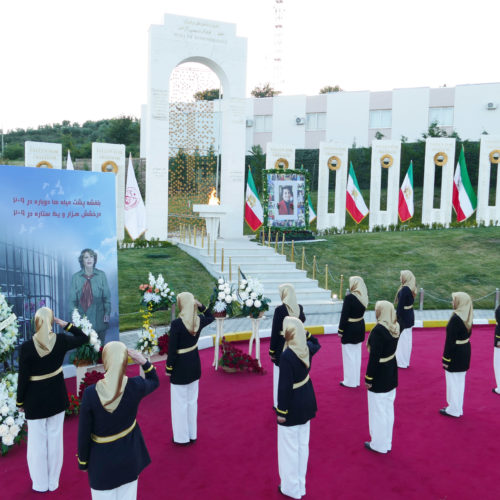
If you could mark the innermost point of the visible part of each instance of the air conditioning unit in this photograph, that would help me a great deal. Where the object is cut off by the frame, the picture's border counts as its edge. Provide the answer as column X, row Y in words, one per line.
column 491, row 105
column 249, row 123
column 300, row 121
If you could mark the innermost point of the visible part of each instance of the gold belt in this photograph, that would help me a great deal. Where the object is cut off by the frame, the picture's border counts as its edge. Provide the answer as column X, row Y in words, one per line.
column 114, row 437
column 35, row 378
column 303, row 382
column 408, row 307
column 384, row 360
column 187, row 349
column 462, row 341
column 354, row 320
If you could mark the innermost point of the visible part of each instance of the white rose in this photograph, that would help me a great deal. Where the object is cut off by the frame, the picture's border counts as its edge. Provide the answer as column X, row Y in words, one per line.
column 221, row 296
column 253, row 295
column 257, row 303
column 229, row 299
column 244, row 282
column 227, row 289
column 9, row 421
column 244, row 295
column 249, row 303
column 8, row 440
column 14, row 430
column 221, row 287
column 242, row 286
column 97, row 347
column 221, row 281
column 4, row 410
column 4, row 430
column 235, row 297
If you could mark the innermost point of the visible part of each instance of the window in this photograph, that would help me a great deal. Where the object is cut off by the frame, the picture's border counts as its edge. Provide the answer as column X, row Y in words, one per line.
column 263, row 123
column 380, row 118
column 443, row 116
column 315, row 121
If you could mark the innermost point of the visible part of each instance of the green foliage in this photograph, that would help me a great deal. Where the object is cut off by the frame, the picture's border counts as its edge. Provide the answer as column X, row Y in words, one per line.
column 77, row 138
column 435, row 130
column 207, row 95
column 329, row 89
column 264, row 91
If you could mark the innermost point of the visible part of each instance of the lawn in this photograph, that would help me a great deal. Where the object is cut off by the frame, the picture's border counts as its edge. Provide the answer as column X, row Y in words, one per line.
column 443, row 261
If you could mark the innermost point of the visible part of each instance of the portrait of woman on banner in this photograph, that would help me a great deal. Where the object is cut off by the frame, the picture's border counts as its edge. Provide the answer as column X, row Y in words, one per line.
column 285, row 206
column 89, row 293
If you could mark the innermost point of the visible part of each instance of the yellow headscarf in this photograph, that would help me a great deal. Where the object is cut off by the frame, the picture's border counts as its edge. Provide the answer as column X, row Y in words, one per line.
column 44, row 337
column 110, row 389
column 386, row 316
column 407, row 279
column 462, row 304
column 288, row 297
column 188, row 312
column 358, row 288
column 295, row 338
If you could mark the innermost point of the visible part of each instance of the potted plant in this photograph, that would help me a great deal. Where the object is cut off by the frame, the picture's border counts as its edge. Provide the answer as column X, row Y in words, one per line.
column 224, row 301
column 235, row 360
column 90, row 353
column 251, row 294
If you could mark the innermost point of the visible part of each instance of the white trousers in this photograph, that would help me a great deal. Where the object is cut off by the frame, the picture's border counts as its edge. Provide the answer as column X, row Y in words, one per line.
column 351, row 361
column 403, row 350
column 126, row 491
column 455, row 387
column 381, row 419
column 45, row 451
column 184, row 409
column 293, row 454
column 496, row 367
column 276, row 378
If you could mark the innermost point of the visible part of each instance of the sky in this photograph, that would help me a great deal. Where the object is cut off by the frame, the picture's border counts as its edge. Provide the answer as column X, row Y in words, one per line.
column 77, row 61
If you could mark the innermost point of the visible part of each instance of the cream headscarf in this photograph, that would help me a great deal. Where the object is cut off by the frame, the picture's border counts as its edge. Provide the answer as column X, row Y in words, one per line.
column 44, row 337
column 188, row 312
column 288, row 297
column 295, row 338
column 110, row 389
column 358, row 288
column 462, row 304
column 386, row 316
column 407, row 279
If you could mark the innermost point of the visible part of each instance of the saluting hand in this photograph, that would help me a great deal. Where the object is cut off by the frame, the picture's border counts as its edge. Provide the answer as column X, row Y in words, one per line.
column 137, row 356
column 60, row 322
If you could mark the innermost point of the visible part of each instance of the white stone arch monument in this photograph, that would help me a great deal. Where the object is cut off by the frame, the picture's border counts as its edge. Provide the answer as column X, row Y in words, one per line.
column 489, row 158
column 439, row 154
column 385, row 155
column 214, row 44
column 333, row 160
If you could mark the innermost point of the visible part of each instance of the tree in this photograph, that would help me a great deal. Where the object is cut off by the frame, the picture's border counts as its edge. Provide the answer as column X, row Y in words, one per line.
column 329, row 89
column 379, row 135
column 435, row 130
column 264, row 91
column 207, row 95
column 123, row 130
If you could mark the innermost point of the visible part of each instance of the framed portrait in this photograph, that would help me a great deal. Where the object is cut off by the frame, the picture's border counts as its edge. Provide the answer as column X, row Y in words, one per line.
column 285, row 195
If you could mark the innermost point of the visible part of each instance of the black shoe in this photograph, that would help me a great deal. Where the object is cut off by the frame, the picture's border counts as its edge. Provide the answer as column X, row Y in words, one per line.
column 494, row 390
column 279, row 489
column 444, row 412
column 181, row 444
column 191, row 441
column 368, row 447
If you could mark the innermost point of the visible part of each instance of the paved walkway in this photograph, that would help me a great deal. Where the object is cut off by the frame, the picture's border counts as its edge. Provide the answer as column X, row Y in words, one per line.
column 244, row 325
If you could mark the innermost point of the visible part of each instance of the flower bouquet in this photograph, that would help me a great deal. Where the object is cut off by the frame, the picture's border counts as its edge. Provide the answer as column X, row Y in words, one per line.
column 163, row 344
column 12, row 421
column 8, row 330
column 90, row 378
column 251, row 294
column 74, row 405
column 147, row 342
column 234, row 359
column 156, row 294
column 90, row 353
column 224, row 301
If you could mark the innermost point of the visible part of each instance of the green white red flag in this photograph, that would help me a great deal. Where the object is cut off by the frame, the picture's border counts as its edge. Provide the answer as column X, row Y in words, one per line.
column 405, row 205
column 464, row 199
column 355, row 204
column 312, row 213
column 254, row 215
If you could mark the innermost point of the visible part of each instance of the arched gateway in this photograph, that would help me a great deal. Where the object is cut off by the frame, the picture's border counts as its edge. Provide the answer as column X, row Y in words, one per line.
column 214, row 44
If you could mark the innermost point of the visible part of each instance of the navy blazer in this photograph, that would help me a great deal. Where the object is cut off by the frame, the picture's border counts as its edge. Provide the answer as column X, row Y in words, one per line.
column 404, row 309
column 457, row 355
column 116, row 463
column 353, row 332
column 278, row 340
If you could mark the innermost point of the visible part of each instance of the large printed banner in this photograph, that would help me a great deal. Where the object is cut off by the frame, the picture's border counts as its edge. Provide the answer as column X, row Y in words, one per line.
column 58, row 245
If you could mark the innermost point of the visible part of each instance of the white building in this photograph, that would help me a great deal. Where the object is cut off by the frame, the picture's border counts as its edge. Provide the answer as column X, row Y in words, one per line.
column 347, row 117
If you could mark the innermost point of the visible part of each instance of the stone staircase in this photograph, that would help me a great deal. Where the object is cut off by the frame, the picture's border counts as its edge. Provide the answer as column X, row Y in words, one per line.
column 270, row 268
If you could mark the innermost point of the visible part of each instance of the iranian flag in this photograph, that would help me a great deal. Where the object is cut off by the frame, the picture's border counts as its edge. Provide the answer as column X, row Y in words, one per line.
column 405, row 204
column 355, row 204
column 464, row 198
column 254, row 215
column 312, row 213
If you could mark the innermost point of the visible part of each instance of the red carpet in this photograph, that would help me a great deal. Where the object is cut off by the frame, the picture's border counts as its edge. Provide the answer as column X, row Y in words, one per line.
column 235, row 457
